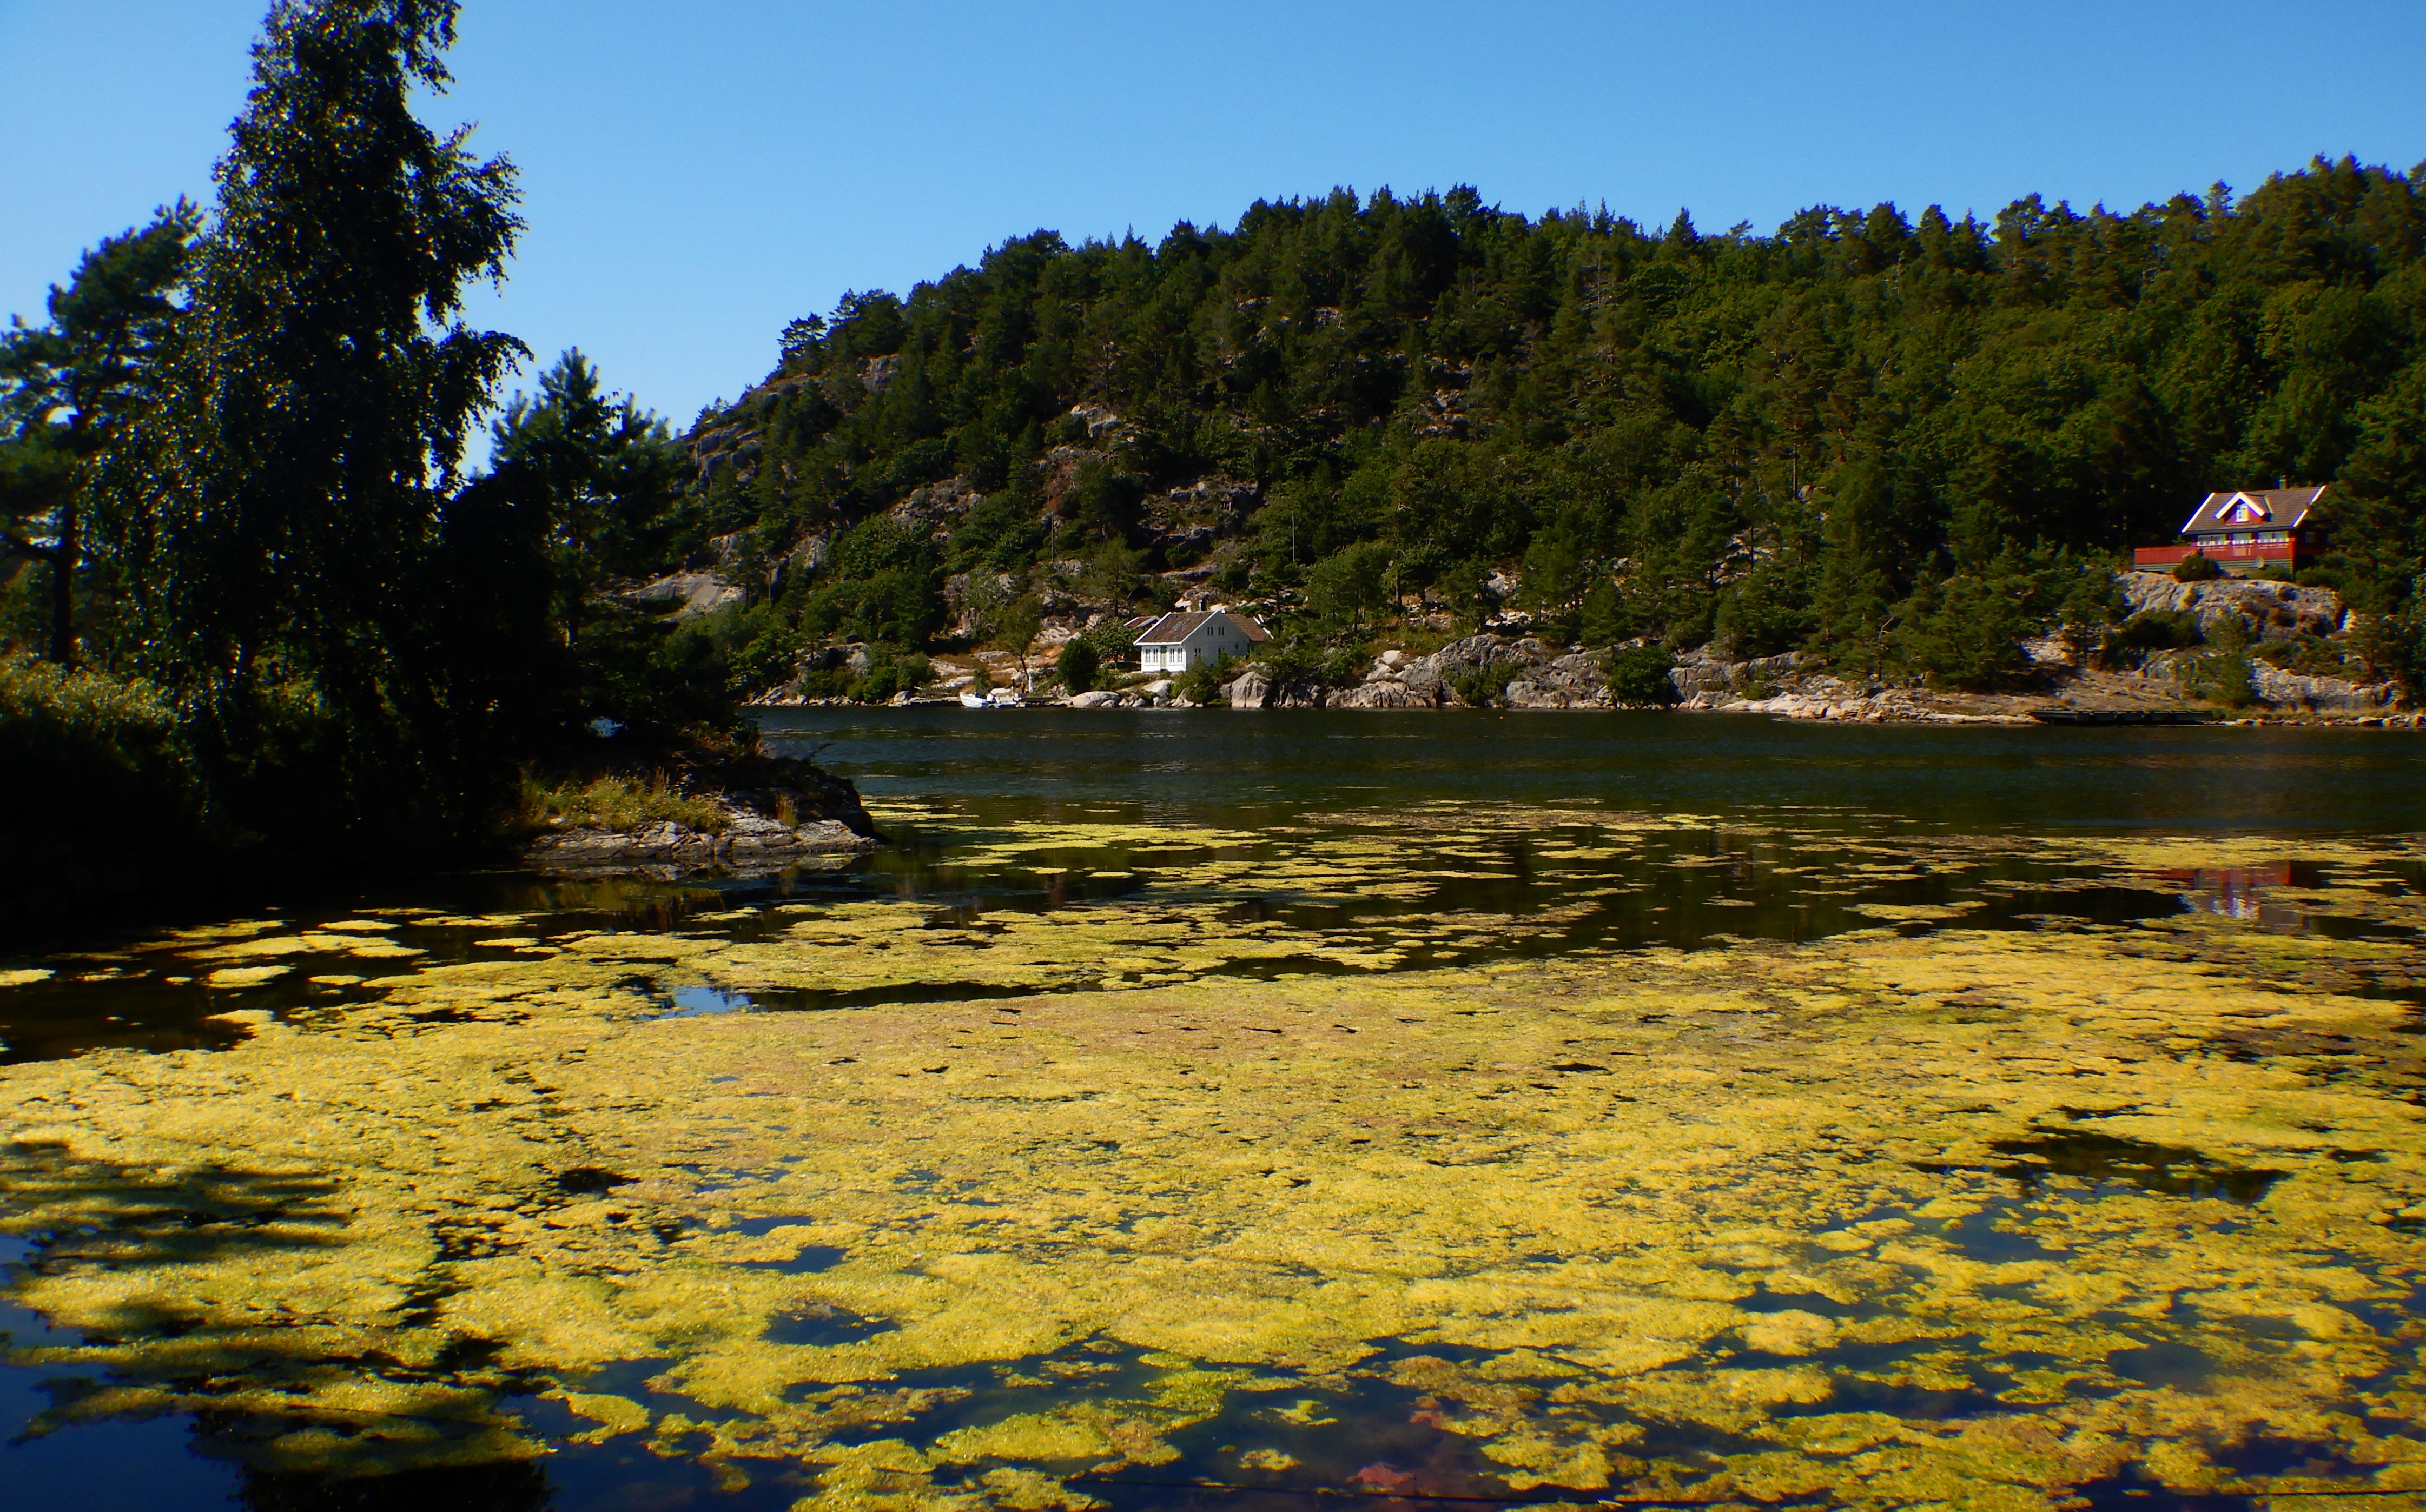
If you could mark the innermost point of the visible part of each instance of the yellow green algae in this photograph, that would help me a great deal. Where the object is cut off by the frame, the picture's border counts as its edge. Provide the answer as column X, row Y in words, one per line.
column 1960, row 1216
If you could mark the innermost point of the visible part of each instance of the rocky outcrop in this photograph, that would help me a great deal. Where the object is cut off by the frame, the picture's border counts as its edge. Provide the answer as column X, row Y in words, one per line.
column 1845, row 703
column 749, row 842
column 2272, row 611
column 687, row 595
column 1255, row 689
column 2177, row 673
column 2320, row 695
column 774, row 813
column 1701, row 673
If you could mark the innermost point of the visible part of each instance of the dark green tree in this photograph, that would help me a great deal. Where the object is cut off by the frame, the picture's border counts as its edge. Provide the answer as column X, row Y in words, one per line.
column 277, row 516
column 610, row 474
column 70, row 388
column 1077, row 664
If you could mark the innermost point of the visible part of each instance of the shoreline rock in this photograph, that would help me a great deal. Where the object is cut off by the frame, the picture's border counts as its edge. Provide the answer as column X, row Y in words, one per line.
column 777, row 814
column 751, row 843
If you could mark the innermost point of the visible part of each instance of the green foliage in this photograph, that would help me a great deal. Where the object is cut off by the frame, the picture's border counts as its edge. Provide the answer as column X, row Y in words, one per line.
column 1204, row 683
column 1018, row 626
column 610, row 472
column 2311, row 655
column 2220, row 673
column 1965, row 632
column 890, row 672
column 1114, row 641
column 613, row 803
column 1483, row 685
column 1769, row 610
column 2161, row 630
column 91, row 757
column 879, row 582
column 70, row 387
column 1772, row 441
column 1350, row 584
column 2393, row 645
column 2198, row 567
column 1638, row 675
column 276, row 518
column 1077, row 664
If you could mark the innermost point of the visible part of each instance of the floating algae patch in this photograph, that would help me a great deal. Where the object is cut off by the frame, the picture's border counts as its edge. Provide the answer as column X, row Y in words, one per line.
column 1972, row 1216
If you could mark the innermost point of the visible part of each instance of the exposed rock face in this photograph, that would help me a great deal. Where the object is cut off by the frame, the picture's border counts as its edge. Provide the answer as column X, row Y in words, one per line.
column 687, row 594
column 749, row 842
column 2275, row 611
column 1846, row 703
column 2290, row 692
column 1701, row 673
column 1382, row 694
column 1573, row 681
column 2321, row 695
column 1251, row 690
column 777, row 813
column 1186, row 520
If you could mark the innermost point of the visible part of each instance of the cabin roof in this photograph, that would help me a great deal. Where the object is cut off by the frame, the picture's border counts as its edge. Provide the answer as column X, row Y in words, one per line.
column 2269, row 508
column 1174, row 628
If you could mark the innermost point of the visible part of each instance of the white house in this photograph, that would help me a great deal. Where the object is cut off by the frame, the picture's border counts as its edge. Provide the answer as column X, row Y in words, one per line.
column 1186, row 639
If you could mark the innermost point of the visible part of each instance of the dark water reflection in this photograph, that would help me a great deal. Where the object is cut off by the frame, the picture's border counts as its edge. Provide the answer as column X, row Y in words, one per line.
column 1781, row 802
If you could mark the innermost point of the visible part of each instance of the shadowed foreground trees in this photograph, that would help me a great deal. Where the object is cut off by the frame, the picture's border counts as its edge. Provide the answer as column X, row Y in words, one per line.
column 261, row 415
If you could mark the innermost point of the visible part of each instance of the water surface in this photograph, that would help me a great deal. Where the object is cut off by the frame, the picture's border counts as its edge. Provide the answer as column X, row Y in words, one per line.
column 1207, row 1109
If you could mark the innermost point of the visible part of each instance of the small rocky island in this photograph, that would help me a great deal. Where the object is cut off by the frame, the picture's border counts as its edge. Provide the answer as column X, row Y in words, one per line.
column 746, row 815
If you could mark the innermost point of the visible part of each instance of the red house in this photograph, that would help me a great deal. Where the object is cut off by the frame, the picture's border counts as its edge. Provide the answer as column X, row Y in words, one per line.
column 2244, row 530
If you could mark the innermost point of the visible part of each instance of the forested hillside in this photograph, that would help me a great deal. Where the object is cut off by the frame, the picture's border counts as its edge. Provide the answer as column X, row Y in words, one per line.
column 1901, row 441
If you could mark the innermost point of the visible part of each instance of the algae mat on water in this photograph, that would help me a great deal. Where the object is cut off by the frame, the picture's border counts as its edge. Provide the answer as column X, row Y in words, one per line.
column 1966, row 1217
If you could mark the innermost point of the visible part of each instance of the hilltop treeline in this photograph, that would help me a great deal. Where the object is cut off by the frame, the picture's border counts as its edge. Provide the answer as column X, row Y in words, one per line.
column 1903, row 441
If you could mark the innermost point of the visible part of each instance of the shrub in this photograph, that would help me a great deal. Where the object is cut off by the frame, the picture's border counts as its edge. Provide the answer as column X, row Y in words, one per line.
column 614, row 803
column 2198, row 567
column 1639, row 675
column 2220, row 674
column 2309, row 655
column 1203, row 684
column 1077, row 666
column 91, row 755
column 1344, row 668
column 2161, row 630
column 1480, row 686
column 892, row 672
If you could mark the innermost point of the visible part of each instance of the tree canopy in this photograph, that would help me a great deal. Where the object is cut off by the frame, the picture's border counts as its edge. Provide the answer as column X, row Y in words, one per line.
column 1857, row 434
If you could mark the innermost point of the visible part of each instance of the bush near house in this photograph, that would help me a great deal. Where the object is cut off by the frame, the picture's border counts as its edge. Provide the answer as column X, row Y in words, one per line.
column 1077, row 666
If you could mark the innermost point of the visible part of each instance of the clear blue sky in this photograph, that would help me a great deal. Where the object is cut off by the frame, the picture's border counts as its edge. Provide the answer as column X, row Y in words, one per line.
column 699, row 173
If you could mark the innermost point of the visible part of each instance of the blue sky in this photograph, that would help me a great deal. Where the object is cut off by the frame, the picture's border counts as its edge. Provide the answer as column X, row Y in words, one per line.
column 699, row 173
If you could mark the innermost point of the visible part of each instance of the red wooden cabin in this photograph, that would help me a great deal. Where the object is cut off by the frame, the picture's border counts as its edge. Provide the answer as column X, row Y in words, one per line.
column 2245, row 529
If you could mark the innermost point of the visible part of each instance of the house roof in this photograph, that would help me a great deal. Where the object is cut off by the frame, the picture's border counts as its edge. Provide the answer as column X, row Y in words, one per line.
column 1174, row 628
column 2272, row 508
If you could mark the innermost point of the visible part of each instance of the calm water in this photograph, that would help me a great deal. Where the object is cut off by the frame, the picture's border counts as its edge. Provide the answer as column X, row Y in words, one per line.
column 1733, row 829
column 1200, row 765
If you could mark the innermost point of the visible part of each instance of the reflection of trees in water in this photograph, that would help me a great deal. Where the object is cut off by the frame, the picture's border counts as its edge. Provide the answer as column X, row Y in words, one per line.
column 515, row 1485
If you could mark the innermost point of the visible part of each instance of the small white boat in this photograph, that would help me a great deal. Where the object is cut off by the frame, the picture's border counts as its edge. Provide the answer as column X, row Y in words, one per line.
column 975, row 700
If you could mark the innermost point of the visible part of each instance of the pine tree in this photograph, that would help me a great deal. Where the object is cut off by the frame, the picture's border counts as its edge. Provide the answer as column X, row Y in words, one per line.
column 71, row 387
